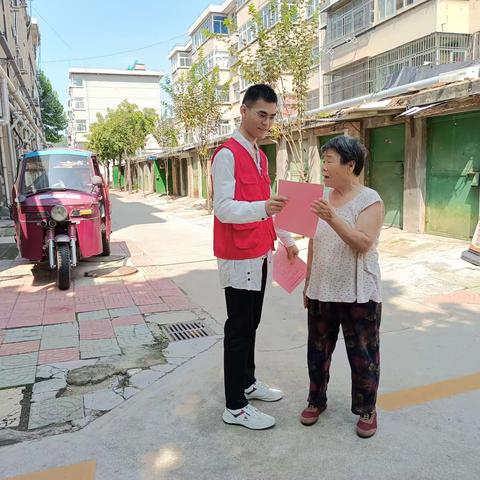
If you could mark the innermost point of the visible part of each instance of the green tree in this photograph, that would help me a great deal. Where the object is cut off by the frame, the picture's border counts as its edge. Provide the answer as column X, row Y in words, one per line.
column 121, row 133
column 53, row 116
column 283, row 59
column 166, row 133
column 196, row 103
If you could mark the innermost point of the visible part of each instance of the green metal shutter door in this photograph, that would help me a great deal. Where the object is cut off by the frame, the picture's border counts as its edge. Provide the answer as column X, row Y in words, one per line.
column 160, row 177
column 453, row 168
column 387, row 156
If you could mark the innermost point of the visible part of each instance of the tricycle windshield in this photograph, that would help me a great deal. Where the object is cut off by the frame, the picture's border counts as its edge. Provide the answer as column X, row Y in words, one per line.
column 56, row 172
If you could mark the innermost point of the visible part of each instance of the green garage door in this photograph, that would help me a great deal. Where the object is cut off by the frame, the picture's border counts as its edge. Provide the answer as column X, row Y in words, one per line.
column 387, row 155
column 160, row 176
column 116, row 176
column 270, row 151
column 453, row 168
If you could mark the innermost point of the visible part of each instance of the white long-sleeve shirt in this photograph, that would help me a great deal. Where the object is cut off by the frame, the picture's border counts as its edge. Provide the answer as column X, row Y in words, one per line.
column 240, row 274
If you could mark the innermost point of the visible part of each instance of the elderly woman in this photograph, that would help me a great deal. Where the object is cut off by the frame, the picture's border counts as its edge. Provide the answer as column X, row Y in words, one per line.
column 343, row 283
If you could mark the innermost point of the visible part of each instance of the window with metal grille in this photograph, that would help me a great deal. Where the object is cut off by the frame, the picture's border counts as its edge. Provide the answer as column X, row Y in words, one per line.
column 371, row 75
column 349, row 82
column 313, row 99
column 349, row 21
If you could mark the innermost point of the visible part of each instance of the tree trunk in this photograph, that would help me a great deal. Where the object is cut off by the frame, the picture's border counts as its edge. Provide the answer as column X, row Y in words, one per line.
column 129, row 175
column 108, row 173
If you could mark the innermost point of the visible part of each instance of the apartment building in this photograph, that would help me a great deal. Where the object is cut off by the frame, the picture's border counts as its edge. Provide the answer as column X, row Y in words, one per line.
column 20, row 120
column 208, row 39
column 366, row 43
column 94, row 91
column 402, row 75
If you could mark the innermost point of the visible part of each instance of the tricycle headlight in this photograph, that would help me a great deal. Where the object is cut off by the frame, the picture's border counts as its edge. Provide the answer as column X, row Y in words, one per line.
column 59, row 213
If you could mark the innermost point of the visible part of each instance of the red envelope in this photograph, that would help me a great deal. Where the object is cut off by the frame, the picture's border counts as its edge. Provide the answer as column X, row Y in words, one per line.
column 297, row 217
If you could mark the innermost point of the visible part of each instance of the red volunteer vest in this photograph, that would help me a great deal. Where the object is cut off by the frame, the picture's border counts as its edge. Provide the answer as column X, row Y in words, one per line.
column 235, row 241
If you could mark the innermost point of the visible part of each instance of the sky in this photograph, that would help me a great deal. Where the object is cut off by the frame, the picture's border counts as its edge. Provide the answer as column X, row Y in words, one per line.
column 71, row 31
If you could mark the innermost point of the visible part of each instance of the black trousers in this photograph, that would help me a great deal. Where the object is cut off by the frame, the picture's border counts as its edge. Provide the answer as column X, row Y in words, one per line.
column 244, row 310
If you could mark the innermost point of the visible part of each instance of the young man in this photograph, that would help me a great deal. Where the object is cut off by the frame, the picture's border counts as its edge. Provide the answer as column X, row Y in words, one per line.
column 244, row 238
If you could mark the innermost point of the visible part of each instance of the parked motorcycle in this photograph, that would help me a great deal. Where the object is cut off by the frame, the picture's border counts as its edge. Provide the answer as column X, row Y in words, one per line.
column 61, row 209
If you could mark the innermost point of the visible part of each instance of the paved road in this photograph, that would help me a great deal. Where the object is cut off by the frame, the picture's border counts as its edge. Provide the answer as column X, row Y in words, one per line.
column 173, row 429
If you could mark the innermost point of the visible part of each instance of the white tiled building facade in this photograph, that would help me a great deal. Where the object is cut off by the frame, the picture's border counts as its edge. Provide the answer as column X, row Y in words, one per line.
column 94, row 91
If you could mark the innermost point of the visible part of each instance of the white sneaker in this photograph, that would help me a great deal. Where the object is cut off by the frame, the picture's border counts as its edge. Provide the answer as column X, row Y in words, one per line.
column 248, row 417
column 260, row 391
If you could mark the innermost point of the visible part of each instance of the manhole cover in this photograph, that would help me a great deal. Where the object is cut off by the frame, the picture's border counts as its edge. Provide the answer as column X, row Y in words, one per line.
column 185, row 331
column 111, row 272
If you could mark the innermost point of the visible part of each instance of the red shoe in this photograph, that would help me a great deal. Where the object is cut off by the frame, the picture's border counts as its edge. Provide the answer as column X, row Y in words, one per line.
column 367, row 425
column 310, row 415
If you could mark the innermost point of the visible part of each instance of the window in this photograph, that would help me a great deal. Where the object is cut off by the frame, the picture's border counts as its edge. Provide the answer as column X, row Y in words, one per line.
column 77, row 82
column 312, row 6
column 269, row 15
column 387, row 8
column 78, row 103
column 184, row 59
column 217, row 58
column 14, row 24
column 244, row 84
column 224, row 128
column 219, row 25
column 181, row 60
column 81, row 126
column 240, row 3
column 246, row 34
column 236, row 92
column 312, row 100
column 350, row 20
column 222, row 94
column 213, row 24
column 315, row 54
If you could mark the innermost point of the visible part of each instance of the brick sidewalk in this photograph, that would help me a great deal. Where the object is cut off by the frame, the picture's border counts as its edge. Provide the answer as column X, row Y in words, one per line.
column 46, row 333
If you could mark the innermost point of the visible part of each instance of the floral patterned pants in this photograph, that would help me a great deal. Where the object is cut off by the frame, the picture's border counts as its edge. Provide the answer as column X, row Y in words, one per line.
column 360, row 326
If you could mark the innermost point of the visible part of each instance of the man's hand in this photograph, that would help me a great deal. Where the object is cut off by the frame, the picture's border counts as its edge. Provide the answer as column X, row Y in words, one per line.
column 292, row 253
column 323, row 210
column 275, row 204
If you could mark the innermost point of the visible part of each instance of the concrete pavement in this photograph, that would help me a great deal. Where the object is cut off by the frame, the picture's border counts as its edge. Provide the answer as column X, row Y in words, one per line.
column 173, row 429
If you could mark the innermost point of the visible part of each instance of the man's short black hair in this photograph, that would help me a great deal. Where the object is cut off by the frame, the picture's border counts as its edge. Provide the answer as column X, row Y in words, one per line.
column 350, row 149
column 260, row 91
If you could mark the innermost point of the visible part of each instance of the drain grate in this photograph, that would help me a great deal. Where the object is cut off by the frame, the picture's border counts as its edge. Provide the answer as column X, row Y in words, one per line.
column 185, row 331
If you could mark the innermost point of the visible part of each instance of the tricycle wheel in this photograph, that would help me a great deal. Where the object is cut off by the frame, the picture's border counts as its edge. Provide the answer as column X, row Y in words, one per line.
column 63, row 266
column 105, row 245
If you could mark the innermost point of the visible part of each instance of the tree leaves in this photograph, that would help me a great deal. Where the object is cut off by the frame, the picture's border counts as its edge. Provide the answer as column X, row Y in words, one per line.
column 53, row 117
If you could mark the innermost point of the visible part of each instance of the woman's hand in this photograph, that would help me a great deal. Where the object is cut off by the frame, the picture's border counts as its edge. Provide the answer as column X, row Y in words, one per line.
column 305, row 299
column 323, row 210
